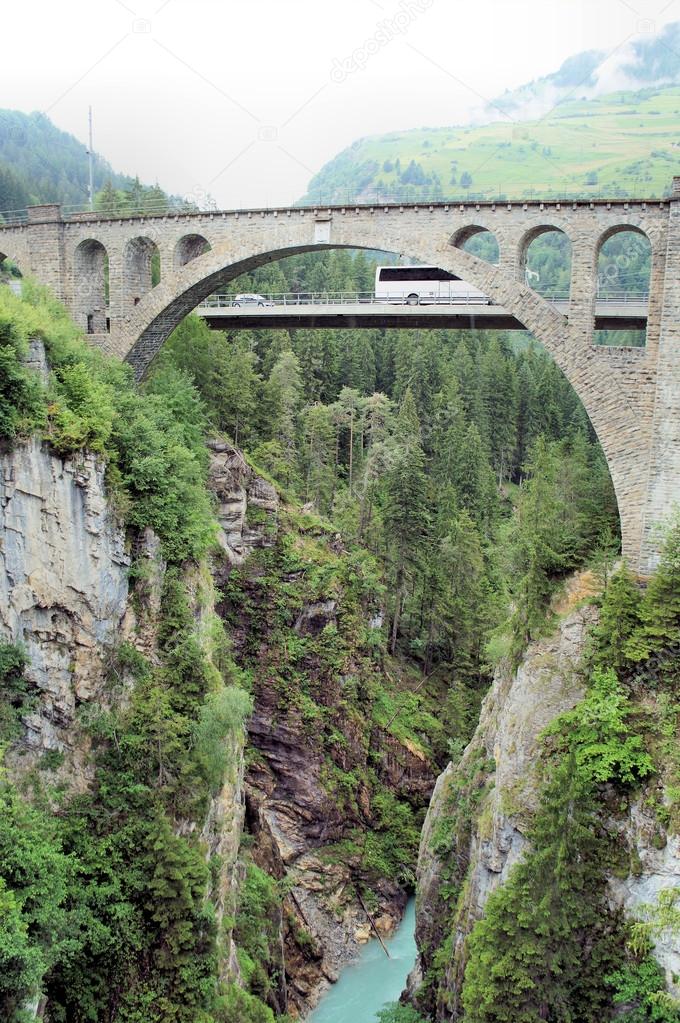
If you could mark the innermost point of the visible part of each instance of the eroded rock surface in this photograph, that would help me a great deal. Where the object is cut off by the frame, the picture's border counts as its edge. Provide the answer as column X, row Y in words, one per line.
column 247, row 505
column 63, row 583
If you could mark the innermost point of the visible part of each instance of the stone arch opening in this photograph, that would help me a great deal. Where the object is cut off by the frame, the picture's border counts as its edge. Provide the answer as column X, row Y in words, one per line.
column 545, row 261
column 141, row 269
column 91, row 287
column 10, row 273
column 190, row 247
column 480, row 242
column 624, row 267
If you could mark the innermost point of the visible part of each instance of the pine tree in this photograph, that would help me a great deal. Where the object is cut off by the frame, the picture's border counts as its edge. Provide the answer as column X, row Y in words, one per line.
column 319, row 455
column 660, row 611
column 499, row 399
column 235, row 388
column 284, row 392
column 406, row 514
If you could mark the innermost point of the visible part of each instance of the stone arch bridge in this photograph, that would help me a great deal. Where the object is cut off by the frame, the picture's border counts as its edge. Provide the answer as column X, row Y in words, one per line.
column 632, row 395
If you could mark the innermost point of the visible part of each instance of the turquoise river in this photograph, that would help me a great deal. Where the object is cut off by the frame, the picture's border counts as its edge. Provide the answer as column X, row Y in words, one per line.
column 370, row 982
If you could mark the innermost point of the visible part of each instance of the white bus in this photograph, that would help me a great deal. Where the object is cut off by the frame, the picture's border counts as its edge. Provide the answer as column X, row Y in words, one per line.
column 423, row 285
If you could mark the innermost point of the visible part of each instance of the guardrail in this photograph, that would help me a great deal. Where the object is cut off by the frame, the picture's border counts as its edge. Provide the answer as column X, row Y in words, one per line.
column 332, row 298
column 335, row 298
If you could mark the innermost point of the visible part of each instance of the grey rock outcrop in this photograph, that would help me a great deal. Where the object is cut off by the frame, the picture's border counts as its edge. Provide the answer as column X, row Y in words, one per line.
column 498, row 766
column 657, row 870
column 65, row 596
column 247, row 505
column 63, row 583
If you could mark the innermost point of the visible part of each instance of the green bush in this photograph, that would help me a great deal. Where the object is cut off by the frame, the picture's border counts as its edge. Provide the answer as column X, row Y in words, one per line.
column 17, row 696
column 237, row 1006
column 22, row 402
column 152, row 440
column 222, row 717
column 599, row 734
column 640, row 991
column 396, row 1013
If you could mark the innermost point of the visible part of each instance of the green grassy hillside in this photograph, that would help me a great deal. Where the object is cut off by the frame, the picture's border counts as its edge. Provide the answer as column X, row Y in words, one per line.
column 626, row 143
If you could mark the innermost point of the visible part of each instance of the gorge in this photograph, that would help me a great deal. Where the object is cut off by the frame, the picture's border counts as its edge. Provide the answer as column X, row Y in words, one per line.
column 238, row 680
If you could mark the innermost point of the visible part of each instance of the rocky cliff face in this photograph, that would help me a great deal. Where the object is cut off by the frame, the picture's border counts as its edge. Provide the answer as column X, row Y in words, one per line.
column 65, row 596
column 63, row 590
column 655, row 868
column 476, row 825
column 247, row 505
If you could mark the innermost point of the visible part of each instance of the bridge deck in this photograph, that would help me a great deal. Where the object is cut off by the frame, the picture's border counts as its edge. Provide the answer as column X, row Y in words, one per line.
column 608, row 316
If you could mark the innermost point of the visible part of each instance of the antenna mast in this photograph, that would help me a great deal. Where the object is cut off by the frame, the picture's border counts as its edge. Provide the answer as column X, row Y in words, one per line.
column 90, row 187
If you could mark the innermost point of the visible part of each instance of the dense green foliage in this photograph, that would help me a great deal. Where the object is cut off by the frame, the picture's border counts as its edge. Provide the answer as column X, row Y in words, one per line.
column 396, row 1013
column 108, row 907
column 414, row 443
column 258, row 934
column 16, row 697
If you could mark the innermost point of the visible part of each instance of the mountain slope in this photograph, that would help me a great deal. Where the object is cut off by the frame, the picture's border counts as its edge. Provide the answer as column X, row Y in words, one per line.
column 621, row 144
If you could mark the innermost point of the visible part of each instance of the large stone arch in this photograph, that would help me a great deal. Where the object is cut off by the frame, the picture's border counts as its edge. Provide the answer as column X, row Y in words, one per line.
column 611, row 407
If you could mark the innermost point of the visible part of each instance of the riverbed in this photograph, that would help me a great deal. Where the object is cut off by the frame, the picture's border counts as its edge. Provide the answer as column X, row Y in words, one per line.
column 370, row 982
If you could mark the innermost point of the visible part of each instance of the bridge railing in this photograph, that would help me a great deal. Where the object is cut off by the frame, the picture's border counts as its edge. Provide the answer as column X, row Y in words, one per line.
column 335, row 298
column 11, row 217
column 368, row 197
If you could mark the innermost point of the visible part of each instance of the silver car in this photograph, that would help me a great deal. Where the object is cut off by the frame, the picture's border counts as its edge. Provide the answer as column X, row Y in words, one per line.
column 249, row 298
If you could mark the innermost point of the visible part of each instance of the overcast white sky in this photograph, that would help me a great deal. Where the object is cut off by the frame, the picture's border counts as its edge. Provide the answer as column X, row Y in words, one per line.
column 246, row 99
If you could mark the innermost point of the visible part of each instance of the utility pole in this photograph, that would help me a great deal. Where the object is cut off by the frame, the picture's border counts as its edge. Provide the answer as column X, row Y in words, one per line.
column 90, row 154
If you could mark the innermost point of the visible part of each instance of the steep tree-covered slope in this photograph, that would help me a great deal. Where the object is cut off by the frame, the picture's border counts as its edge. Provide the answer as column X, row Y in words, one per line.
column 41, row 163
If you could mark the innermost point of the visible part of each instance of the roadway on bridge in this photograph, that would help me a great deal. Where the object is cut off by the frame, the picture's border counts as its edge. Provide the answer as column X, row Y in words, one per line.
column 319, row 312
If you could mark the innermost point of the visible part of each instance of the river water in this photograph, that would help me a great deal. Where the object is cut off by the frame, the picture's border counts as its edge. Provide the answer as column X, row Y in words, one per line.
column 373, row 979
